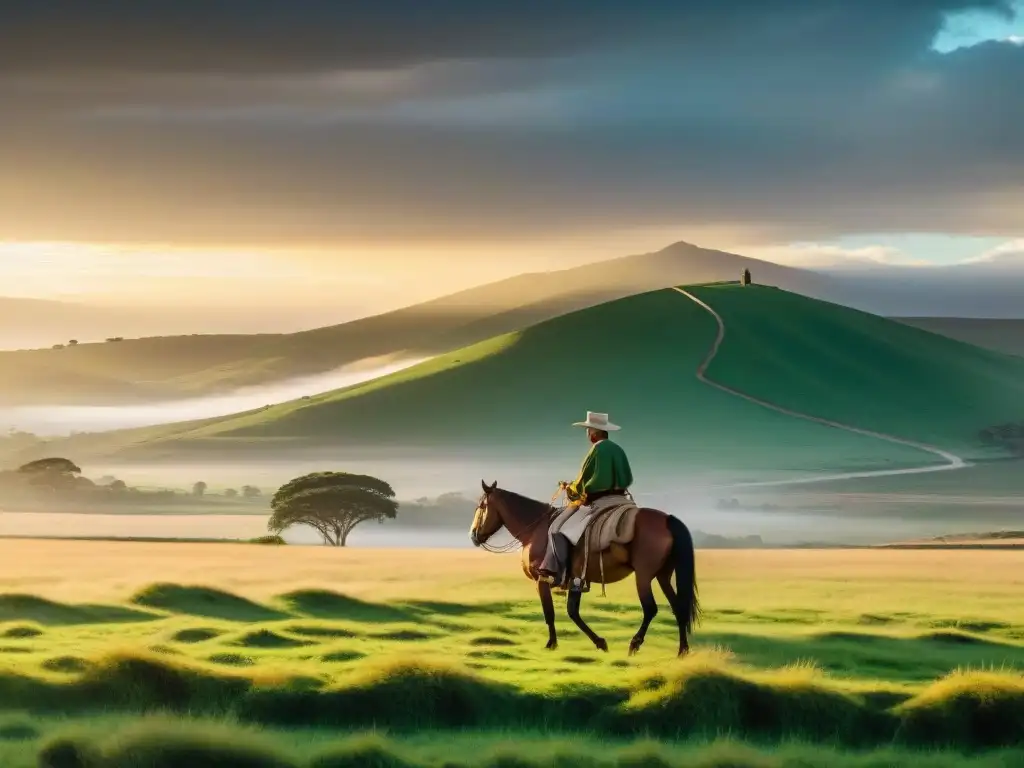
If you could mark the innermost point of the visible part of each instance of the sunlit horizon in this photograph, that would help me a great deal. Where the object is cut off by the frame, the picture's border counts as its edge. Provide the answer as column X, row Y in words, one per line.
column 139, row 274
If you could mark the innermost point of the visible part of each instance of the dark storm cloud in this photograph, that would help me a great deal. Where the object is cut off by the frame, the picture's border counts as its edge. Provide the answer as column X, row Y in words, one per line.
column 277, row 36
column 479, row 118
column 311, row 35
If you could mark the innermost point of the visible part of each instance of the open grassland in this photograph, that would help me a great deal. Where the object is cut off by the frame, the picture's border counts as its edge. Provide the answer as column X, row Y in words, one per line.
column 839, row 657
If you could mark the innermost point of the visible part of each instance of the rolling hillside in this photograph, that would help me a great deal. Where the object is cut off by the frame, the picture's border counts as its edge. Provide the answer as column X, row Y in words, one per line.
column 163, row 368
column 513, row 396
column 863, row 370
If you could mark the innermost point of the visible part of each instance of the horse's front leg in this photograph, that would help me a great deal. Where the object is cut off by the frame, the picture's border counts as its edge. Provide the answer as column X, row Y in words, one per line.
column 573, row 604
column 548, row 605
column 650, row 606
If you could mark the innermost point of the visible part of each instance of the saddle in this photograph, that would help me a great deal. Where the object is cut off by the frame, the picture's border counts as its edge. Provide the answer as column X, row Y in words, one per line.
column 610, row 520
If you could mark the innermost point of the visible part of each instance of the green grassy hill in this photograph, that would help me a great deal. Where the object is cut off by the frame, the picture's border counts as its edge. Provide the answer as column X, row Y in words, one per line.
column 513, row 396
column 860, row 369
column 164, row 368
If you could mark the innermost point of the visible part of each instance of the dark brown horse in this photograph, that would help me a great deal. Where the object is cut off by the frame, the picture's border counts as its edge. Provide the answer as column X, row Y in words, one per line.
column 661, row 545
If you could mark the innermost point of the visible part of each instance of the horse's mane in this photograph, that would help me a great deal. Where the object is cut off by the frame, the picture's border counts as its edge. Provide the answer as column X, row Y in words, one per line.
column 525, row 500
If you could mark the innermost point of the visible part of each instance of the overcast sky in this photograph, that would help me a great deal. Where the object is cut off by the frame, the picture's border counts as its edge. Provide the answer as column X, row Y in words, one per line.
column 363, row 141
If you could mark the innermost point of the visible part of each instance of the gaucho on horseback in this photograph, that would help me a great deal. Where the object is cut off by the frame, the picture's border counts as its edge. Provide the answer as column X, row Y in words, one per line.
column 614, row 536
column 605, row 474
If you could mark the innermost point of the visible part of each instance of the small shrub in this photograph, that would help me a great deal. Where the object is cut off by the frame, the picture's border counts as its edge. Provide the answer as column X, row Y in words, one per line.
column 271, row 540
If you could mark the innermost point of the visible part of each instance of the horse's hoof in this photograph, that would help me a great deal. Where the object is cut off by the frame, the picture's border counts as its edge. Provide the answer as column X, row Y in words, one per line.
column 634, row 646
column 683, row 652
column 601, row 644
column 552, row 645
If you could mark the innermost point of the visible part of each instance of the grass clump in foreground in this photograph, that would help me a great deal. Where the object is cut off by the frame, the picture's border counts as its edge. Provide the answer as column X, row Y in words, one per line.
column 203, row 601
column 165, row 743
column 698, row 698
column 470, row 678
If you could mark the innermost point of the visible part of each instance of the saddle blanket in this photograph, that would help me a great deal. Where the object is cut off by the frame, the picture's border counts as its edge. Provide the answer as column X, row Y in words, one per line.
column 612, row 520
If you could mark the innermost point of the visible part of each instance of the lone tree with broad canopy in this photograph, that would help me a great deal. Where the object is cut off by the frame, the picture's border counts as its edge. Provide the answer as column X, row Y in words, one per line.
column 54, row 473
column 332, row 503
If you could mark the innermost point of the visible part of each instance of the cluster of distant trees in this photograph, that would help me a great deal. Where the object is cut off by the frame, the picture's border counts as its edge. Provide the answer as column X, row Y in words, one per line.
column 200, row 488
column 74, row 342
column 57, row 479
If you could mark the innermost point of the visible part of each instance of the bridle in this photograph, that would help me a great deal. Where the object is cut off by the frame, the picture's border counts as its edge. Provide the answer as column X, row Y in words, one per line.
column 483, row 510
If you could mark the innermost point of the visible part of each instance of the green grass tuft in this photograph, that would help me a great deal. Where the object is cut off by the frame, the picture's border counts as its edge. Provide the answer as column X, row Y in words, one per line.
column 363, row 752
column 66, row 664
column 17, row 729
column 66, row 752
column 264, row 638
column 342, row 656
column 203, row 601
column 491, row 642
column 322, row 631
column 957, row 638
column 233, row 659
column 22, row 632
column 706, row 698
column 323, row 604
column 167, row 744
column 405, row 635
column 967, row 710
column 16, row 607
column 195, row 635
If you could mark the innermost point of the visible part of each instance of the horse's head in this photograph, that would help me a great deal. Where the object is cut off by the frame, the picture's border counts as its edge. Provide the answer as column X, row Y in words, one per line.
column 487, row 520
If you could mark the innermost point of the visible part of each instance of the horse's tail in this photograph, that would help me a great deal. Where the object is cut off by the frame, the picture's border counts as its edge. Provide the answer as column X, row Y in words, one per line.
column 686, row 573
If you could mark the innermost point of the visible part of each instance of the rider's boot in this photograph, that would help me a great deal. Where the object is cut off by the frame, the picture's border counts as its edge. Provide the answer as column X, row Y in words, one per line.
column 559, row 576
column 563, row 550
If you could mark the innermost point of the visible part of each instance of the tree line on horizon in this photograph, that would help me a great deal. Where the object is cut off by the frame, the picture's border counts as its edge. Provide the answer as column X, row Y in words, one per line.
column 58, row 478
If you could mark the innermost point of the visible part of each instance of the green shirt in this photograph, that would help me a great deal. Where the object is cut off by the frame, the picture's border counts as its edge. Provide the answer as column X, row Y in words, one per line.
column 606, row 468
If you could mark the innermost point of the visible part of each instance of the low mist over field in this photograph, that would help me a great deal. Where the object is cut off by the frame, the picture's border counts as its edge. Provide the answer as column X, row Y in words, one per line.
column 57, row 419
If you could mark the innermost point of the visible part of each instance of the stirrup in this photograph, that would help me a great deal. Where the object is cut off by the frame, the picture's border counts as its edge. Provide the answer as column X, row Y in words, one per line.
column 579, row 585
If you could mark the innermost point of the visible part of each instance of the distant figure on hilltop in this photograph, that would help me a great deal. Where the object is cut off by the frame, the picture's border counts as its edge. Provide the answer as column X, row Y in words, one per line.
column 746, row 277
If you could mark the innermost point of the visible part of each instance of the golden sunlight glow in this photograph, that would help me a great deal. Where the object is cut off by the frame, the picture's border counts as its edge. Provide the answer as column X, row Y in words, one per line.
column 389, row 275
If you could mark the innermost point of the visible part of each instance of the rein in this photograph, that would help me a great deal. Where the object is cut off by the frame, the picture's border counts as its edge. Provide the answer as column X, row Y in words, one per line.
column 517, row 538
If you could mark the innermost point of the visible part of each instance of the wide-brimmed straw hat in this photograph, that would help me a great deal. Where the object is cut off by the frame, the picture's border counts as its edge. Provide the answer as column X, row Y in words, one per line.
column 598, row 421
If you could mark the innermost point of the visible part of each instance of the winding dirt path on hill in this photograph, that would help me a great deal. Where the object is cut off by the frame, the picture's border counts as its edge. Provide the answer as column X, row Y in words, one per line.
column 952, row 460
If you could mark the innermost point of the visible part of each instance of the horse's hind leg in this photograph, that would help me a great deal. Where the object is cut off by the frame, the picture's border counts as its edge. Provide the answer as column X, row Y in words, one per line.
column 573, row 605
column 665, row 581
column 647, row 602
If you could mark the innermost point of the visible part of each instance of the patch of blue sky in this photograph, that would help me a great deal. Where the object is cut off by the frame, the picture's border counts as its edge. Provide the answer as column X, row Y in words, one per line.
column 935, row 248
column 968, row 28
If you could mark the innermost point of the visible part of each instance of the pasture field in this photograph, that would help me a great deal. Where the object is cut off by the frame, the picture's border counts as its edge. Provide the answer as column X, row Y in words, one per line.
column 118, row 654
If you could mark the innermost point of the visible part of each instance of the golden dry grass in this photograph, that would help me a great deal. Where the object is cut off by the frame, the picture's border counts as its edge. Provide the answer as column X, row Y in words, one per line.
column 982, row 584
